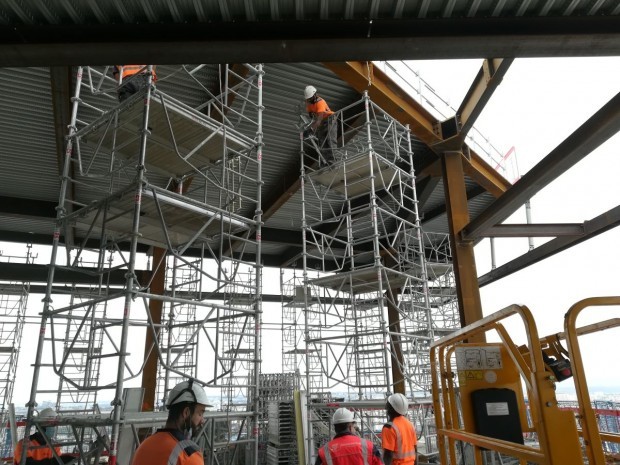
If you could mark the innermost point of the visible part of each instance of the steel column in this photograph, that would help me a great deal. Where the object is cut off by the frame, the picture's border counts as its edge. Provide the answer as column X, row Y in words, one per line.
column 470, row 307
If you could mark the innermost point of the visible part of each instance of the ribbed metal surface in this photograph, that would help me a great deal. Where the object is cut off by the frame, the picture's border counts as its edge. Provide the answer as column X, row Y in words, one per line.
column 179, row 11
column 27, row 141
column 27, row 225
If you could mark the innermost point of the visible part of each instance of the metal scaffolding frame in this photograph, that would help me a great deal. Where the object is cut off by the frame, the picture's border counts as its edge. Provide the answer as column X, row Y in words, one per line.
column 183, row 279
column 237, row 342
column 13, row 302
column 176, row 166
column 383, row 291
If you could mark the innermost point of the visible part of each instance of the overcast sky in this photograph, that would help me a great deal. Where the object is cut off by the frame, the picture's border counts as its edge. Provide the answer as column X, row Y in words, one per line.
column 539, row 103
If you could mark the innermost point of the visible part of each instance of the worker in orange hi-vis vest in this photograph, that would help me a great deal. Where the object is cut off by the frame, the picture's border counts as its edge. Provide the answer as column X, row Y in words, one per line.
column 38, row 451
column 131, row 79
column 347, row 448
column 172, row 445
column 323, row 124
column 398, row 437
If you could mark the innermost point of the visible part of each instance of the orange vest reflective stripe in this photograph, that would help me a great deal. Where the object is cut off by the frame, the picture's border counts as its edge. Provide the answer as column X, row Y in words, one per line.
column 36, row 451
column 404, row 442
column 347, row 450
column 130, row 70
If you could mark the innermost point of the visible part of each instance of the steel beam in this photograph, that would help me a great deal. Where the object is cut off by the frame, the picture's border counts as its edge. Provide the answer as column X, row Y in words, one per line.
column 304, row 41
column 485, row 176
column 486, row 81
column 592, row 228
column 39, row 209
column 454, row 130
column 590, row 135
column 363, row 76
column 30, row 272
column 535, row 230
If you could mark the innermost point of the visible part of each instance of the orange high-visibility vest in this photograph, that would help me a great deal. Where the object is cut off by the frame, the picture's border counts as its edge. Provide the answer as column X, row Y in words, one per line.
column 167, row 446
column 130, row 70
column 399, row 436
column 320, row 106
column 36, row 451
column 347, row 449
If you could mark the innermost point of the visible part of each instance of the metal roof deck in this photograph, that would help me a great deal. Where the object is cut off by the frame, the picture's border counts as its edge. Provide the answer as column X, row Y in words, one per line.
column 173, row 31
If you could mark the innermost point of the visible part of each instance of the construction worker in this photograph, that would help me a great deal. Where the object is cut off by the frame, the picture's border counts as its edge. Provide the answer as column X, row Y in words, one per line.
column 347, row 448
column 131, row 78
column 398, row 437
column 172, row 445
column 38, row 450
column 322, row 124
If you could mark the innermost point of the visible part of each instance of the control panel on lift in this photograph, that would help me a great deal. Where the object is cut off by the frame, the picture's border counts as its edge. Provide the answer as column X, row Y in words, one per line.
column 491, row 393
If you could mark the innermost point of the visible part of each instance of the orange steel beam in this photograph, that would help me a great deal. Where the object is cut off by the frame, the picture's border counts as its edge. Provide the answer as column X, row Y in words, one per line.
column 468, row 293
column 485, row 176
column 363, row 76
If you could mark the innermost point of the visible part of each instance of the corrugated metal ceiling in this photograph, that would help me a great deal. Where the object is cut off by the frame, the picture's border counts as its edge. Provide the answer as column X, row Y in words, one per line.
column 179, row 11
column 276, row 31
column 27, row 140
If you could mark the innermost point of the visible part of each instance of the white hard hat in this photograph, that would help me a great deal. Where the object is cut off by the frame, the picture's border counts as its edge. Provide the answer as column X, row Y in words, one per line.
column 399, row 403
column 343, row 415
column 47, row 413
column 309, row 91
column 187, row 391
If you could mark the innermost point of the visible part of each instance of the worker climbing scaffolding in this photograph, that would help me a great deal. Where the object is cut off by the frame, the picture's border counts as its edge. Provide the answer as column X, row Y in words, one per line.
column 322, row 124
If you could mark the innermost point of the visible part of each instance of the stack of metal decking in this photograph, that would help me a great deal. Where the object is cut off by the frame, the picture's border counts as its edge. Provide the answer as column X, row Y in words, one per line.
column 281, row 449
column 277, row 418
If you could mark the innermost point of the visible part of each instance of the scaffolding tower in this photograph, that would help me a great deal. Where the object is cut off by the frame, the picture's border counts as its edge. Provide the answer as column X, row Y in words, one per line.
column 373, row 310
column 359, row 216
column 172, row 171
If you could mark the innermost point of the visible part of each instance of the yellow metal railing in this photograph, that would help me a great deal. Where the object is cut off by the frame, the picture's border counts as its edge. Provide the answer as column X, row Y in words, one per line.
column 556, row 430
column 589, row 426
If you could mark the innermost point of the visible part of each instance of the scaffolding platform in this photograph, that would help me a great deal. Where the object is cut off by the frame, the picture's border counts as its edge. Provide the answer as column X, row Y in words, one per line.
column 181, row 139
column 351, row 176
column 164, row 216
column 364, row 280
